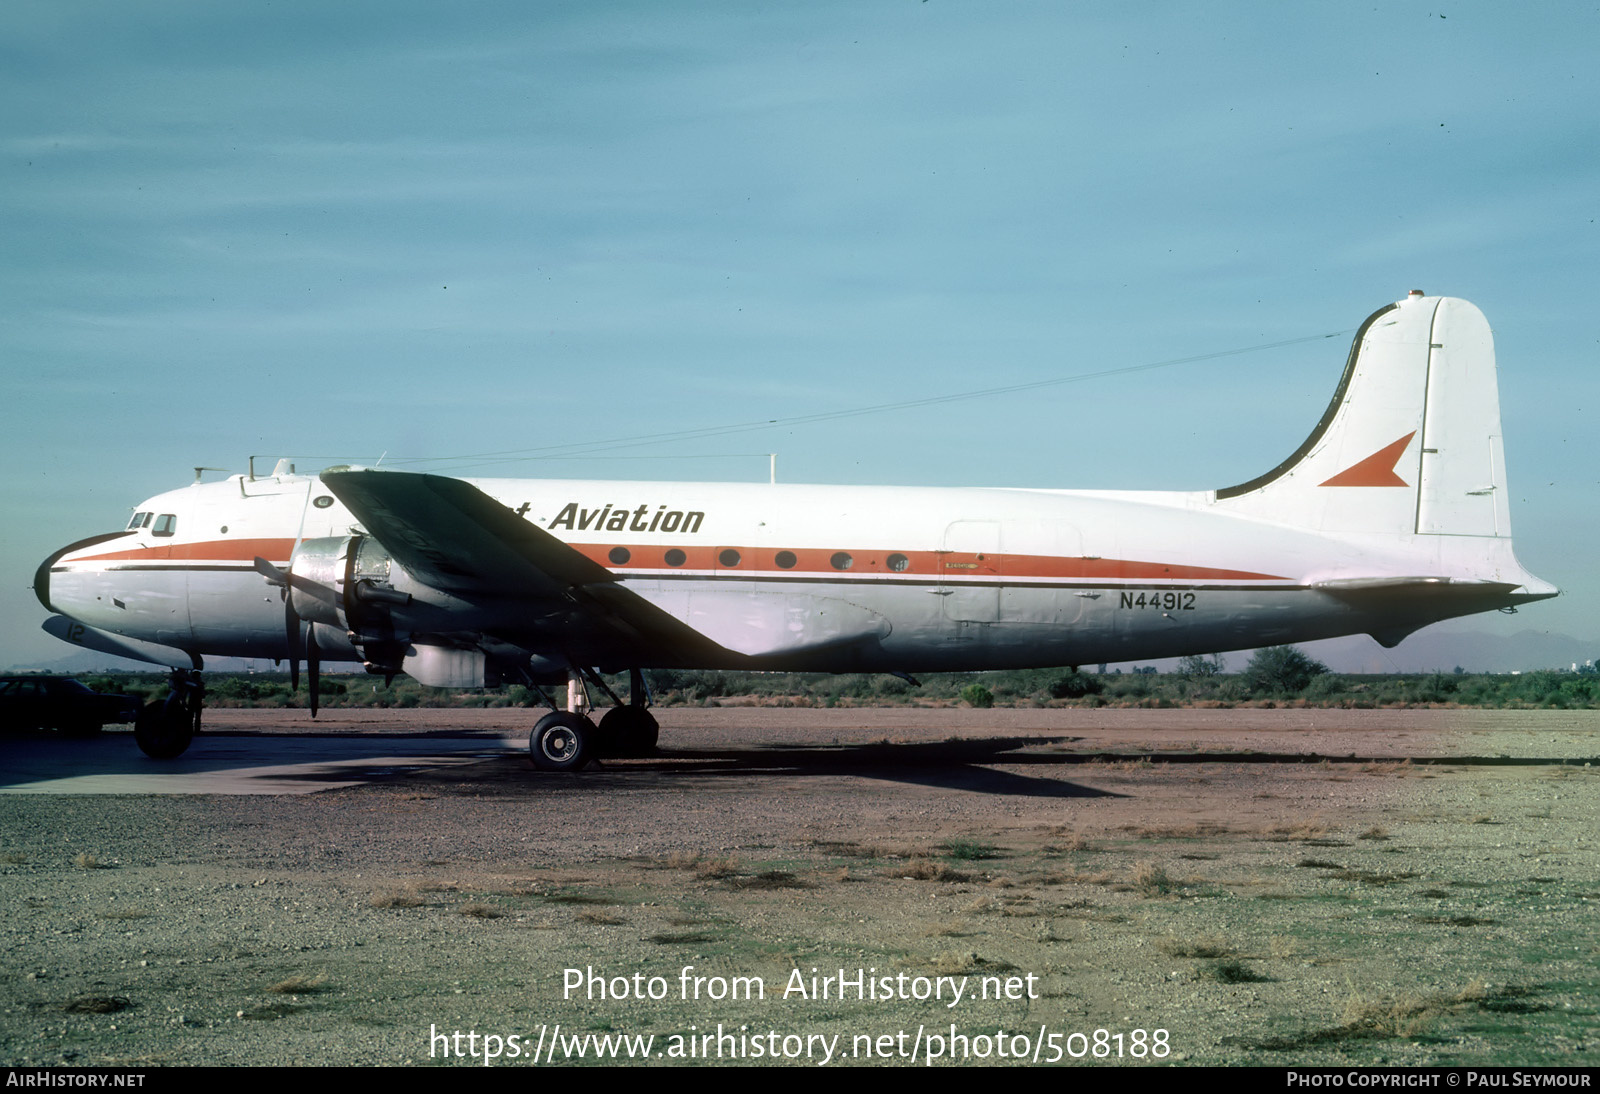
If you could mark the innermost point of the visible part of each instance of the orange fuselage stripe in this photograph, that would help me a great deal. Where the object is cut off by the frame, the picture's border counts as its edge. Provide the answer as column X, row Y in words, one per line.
column 955, row 566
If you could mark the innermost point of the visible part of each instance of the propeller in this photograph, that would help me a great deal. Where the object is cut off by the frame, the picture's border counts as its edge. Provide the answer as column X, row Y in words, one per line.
column 313, row 668
column 293, row 624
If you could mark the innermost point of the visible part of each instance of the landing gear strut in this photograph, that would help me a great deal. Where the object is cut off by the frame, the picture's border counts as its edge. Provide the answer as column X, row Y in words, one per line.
column 566, row 740
column 166, row 726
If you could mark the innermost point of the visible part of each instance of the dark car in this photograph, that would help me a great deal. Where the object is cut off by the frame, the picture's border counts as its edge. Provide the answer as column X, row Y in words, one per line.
column 59, row 702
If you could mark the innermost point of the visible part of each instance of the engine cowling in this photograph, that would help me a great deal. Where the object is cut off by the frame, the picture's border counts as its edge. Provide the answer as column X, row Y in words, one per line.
column 346, row 582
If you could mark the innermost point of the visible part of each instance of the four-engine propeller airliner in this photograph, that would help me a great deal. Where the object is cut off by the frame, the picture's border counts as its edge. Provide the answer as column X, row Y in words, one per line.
column 1390, row 516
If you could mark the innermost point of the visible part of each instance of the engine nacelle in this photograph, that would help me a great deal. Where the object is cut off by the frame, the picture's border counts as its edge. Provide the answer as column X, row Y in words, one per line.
column 346, row 585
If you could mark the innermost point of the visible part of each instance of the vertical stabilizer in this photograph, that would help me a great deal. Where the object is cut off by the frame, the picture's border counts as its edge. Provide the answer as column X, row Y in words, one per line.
column 1411, row 441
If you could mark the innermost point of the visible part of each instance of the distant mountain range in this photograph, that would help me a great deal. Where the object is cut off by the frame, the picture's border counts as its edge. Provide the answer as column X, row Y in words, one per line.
column 1474, row 651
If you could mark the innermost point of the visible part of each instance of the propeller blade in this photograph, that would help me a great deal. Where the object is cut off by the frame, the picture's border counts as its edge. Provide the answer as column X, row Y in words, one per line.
column 313, row 667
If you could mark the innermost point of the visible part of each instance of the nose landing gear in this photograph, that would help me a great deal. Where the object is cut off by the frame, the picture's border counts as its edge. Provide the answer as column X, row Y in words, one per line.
column 165, row 727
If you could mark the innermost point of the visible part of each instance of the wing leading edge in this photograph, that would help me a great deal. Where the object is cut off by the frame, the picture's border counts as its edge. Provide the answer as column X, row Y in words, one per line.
column 453, row 537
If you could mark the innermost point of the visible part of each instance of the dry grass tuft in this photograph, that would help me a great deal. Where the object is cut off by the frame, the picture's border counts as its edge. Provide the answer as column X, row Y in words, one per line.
column 1375, row 833
column 578, row 898
column 1214, row 946
column 1370, row 877
column 1068, row 841
column 1233, row 971
column 132, row 911
column 1409, row 1016
column 1282, row 947
column 952, row 929
column 300, row 985
column 12, row 858
column 480, row 911
column 85, row 861
column 771, row 879
column 600, row 919
column 717, row 868
column 954, row 962
column 401, row 899
column 1152, row 879
column 1179, row 831
column 96, row 1004
column 1311, row 829
column 924, row 870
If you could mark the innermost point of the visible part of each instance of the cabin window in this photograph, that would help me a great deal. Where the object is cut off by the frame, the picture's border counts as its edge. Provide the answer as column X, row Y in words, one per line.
column 322, row 502
column 165, row 525
column 729, row 558
column 785, row 559
column 676, row 557
column 842, row 561
column 899, row 563
column 619, row 556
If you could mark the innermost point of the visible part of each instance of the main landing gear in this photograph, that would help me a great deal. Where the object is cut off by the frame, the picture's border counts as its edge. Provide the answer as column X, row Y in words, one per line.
column 566, row 740
column 166, row 726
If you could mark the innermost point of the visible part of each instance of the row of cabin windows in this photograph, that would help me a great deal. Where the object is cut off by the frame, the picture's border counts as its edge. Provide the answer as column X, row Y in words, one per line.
column 163, row 525
column 729, row 558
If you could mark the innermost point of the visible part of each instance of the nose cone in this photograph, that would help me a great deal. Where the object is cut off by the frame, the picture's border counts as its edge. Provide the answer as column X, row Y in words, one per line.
column 41, row 582
column 41, row 576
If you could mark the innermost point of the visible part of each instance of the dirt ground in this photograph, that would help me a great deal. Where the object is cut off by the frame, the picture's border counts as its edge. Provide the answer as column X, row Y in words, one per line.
column 1143, row 887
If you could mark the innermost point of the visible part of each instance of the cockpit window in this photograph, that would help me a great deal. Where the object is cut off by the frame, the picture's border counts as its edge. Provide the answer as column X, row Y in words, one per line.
column 138, row 521
column 147, row 519
column 165, row 525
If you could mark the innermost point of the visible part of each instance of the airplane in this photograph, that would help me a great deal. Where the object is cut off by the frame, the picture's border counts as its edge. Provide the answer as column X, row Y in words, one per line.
column 1391, row 515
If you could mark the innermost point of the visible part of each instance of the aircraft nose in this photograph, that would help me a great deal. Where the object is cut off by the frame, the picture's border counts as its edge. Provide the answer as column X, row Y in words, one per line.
column 41, row 581
column 41, row 576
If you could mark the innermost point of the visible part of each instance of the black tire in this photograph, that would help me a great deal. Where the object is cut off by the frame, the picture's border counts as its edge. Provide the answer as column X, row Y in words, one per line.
column 561, row 741
column 164, row 736
column 629, row 731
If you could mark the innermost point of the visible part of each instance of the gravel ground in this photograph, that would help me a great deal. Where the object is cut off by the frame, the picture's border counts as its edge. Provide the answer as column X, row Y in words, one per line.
column 1421, row 888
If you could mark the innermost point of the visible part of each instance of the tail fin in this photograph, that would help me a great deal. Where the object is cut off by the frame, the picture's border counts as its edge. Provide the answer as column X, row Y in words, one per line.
column 1410, row 444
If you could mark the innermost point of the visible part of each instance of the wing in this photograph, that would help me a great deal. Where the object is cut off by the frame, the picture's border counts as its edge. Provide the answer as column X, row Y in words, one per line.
column 452, row 536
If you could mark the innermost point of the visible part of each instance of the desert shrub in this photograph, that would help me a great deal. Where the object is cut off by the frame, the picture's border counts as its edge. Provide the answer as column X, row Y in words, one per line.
column 1197, row 667
column 1075, row 685
column 1281, row 670
column 977, row 695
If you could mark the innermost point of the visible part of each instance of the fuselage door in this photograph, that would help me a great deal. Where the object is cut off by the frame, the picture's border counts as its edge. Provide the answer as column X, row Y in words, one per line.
column 970, row 571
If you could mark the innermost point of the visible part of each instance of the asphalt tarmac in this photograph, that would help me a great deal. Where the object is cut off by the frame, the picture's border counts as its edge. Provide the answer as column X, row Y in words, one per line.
column 110, row 763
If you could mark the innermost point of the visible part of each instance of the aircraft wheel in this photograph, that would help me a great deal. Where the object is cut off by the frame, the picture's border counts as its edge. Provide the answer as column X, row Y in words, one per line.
column 561, row 741
column 162, row 735
column 630, row 731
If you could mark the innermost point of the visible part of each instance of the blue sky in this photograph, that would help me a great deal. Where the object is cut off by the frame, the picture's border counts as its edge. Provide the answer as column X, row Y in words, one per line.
column 333, row 231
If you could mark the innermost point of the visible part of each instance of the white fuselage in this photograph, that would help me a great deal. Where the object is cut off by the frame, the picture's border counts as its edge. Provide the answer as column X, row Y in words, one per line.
column 828, row 578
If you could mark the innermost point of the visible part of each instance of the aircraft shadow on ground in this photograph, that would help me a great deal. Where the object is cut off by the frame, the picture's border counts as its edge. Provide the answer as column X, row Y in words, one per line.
column 952, row 765
column 966, row 764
